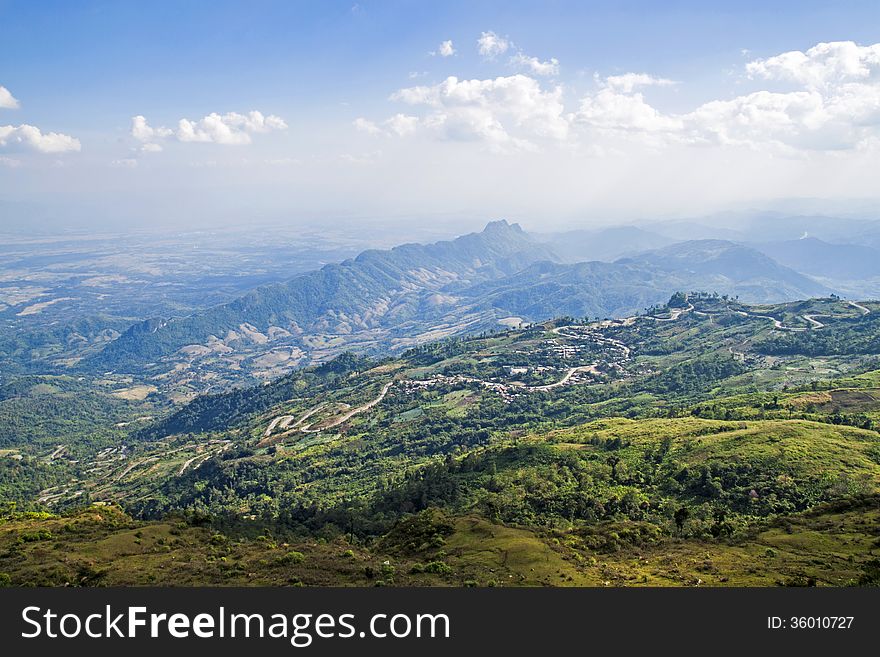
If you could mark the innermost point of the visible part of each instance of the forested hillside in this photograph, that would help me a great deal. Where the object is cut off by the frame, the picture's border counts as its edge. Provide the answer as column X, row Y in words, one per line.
column 702, row 442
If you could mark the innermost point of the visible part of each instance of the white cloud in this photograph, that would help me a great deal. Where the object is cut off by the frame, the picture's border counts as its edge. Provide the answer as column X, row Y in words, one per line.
column 504, row 112
column 837, row 106
column 9, row 163
column 627, row 82
column 230, row 129
column 28, row 137
column 7, row 100
column 445, row 49
column 125, row 163
column 535, row 65
column 400, row 125
column 610, row 110
column 617, row 107
column 761, row 118
column 823, row 65
column 150, row 147
column 367, row 126
column 142, row 131
column 491, row 45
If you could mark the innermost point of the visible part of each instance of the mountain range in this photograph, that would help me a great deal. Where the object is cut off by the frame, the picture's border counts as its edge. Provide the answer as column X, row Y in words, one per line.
column 414, row 293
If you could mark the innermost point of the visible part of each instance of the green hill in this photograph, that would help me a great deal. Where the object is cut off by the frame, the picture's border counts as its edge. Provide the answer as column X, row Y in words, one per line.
column 679, row 447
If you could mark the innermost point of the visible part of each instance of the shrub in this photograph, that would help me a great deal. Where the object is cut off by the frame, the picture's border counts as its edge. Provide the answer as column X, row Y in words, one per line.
column 438, row 568
column 292, row 557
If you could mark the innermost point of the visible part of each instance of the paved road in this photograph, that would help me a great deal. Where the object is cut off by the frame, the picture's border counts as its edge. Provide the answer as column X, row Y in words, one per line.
column 776, row 323
column 570, row 373
column 674, row 314
column 860, row 307
column 355, row 411
column 274, row 423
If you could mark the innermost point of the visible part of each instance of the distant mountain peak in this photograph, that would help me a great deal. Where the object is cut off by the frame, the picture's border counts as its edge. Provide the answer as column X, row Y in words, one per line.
column 377, row 290
column 502, row 225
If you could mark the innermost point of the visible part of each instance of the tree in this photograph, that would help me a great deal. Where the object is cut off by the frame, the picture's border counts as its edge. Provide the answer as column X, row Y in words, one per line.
column 681, row 517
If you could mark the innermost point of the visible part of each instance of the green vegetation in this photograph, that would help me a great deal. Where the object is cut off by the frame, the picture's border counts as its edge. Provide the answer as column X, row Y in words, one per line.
column 676, row 448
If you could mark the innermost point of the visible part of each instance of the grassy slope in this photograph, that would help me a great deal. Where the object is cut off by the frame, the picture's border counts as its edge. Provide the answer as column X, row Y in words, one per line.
column 809, row 449
column 100, row 546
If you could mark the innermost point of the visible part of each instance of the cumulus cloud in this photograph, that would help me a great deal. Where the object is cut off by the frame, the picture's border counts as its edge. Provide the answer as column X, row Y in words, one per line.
column 230, row 129
column 142, row 131
column 445, row 49
column 613, row 111
column 150, row 147
column 503, row 112
column 836, row 107
column 124, row 163
column 618, row 107
column 535, row 65
column 823, row 65
column 400, row 125
column 627, row 82
column 762, row 118
column 7, row 100
column 366, row 126
column 491, row 45
column 28, row 137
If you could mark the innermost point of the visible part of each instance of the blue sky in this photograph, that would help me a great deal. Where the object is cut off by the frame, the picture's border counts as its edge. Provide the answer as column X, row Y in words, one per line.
column 548, row 106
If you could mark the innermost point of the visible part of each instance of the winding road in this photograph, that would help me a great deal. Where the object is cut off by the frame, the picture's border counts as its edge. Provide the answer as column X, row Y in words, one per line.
column 866, row 311
column 350, row 414
column 345, row 417
column 777, row 324
column 674, row 314
column 570, row 373
column 284, row 421
column 274, row 423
